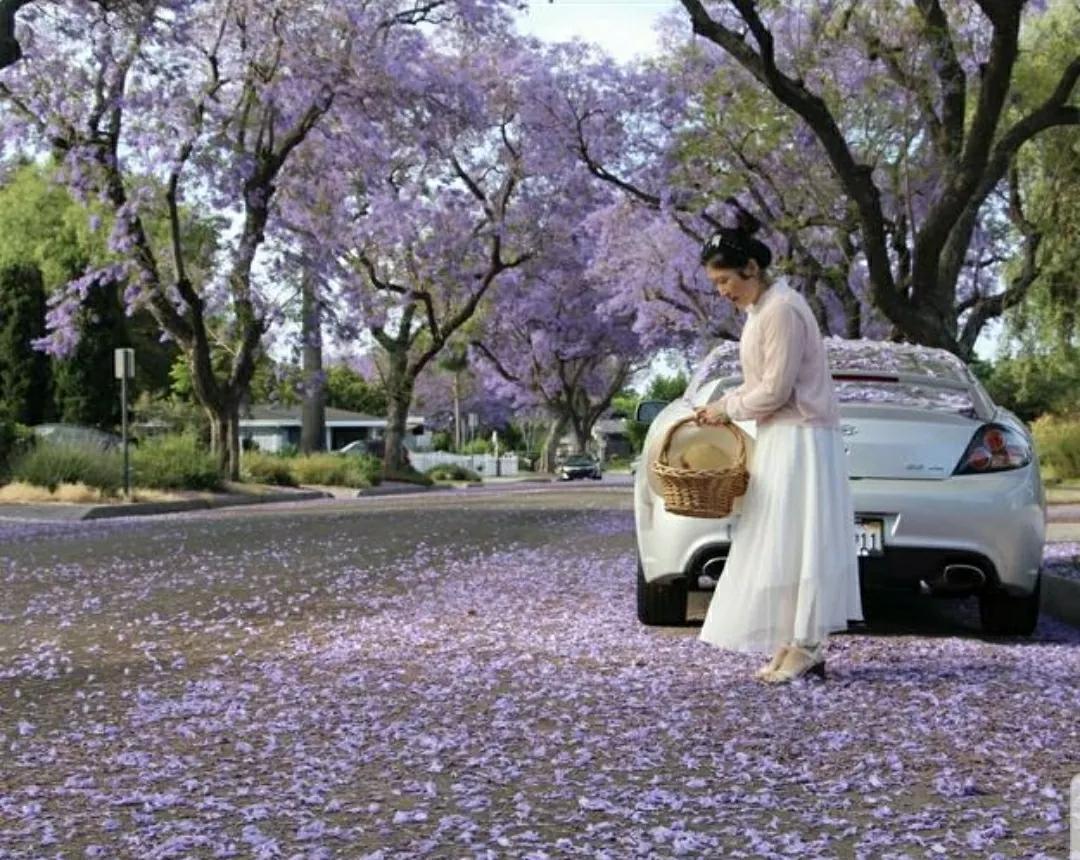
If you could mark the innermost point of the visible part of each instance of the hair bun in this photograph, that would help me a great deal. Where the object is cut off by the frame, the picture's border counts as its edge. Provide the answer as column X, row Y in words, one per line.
column 745, row 222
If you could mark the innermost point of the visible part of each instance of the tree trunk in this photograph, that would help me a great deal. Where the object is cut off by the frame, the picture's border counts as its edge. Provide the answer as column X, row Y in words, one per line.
column 582, row 436
column 551, row 444
column 225, row 438
column 232, row 426
column 219, row 437
column 313, row 416
column 399, row 392
column 398, row 413
column 457, row 412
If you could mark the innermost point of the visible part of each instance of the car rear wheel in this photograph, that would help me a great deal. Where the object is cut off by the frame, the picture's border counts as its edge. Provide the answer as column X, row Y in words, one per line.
column 661, row 604
column 1004, row 615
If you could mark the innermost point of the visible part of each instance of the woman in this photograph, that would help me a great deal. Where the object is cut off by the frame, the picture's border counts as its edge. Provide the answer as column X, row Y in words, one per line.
column 792, row 573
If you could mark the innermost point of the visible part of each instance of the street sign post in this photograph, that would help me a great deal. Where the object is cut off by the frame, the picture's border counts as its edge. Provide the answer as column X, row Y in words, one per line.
column 124, row 369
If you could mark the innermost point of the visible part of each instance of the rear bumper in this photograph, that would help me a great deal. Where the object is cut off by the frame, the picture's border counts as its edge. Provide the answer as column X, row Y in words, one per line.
column 994, row 522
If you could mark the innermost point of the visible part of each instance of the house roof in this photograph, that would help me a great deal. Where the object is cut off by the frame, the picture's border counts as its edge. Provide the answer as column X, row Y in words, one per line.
column 287, row 416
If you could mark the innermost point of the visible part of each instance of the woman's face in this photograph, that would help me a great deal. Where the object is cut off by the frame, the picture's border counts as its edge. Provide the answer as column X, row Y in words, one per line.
column 739, row 286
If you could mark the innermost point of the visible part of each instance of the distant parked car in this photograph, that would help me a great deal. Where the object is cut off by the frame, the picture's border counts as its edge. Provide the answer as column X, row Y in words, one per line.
column 74, row 434
column 579, row 466
column 360, row 446
column 373, row 448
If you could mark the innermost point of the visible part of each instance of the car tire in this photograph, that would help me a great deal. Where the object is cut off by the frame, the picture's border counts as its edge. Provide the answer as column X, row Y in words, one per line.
column 1004, row 615
column 661, row 605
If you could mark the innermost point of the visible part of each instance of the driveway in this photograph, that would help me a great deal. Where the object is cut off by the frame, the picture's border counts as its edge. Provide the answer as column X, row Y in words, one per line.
column 461, row 674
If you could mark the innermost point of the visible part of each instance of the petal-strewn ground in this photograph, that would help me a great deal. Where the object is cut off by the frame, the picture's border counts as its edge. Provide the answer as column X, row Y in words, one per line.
column 465, row 677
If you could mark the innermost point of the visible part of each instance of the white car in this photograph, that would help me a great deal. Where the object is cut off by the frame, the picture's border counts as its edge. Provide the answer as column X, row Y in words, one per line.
column 946, row 485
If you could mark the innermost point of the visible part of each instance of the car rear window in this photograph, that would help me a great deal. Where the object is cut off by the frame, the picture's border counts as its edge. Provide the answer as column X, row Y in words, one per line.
column 867, row 356
column 905, row 394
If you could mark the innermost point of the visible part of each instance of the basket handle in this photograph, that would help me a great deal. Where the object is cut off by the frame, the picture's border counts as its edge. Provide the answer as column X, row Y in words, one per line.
column 692, row 419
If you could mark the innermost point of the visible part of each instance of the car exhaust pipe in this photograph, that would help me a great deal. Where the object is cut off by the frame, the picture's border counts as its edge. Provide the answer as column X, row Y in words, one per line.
column 711, row 570
column 964, row 576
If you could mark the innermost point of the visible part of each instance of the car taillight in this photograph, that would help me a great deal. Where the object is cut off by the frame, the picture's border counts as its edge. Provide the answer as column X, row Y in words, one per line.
column 994, row 449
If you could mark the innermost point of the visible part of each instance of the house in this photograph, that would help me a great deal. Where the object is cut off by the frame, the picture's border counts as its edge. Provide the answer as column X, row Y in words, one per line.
column 610, row 438
column 275, row 428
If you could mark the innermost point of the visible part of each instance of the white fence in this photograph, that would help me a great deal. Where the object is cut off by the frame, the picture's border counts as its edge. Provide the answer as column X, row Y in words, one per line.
column 484, row 465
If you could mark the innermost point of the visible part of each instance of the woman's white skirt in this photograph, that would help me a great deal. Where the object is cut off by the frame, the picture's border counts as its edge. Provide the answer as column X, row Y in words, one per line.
column 792, row 573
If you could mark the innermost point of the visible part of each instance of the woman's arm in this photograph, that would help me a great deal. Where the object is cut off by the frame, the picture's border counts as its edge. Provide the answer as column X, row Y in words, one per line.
column 783, row 333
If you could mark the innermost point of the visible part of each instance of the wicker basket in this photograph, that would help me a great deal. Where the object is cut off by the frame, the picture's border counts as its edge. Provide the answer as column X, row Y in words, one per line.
column 707, row 493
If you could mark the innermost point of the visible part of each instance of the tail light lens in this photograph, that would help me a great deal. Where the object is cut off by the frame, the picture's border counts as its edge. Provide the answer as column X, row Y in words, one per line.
column 994, row 449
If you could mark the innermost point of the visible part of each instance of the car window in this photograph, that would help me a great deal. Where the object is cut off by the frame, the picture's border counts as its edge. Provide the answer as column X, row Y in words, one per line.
column 903, row 394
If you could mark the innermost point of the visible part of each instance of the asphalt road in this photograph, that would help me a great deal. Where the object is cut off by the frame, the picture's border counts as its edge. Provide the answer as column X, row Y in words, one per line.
column 461, row 674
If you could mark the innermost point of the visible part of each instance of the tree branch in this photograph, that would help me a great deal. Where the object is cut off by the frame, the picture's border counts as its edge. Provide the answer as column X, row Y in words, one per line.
column 856, row 179
column 951, row 77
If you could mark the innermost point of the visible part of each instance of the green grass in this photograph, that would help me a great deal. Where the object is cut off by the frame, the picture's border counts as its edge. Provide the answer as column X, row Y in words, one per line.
column 618, row 464
column 1063, row 492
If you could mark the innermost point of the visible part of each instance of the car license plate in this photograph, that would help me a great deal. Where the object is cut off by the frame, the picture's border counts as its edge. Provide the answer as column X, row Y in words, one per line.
column 870, row 537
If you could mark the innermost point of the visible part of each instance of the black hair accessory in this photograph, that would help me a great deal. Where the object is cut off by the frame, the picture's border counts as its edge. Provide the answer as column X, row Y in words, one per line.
column 734, row 247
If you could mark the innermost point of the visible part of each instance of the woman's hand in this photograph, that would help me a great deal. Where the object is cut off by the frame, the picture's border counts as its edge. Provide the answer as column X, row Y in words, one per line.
column 712, row 416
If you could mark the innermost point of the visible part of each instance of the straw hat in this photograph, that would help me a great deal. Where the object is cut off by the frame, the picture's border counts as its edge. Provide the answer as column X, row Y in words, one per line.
column 696, row 447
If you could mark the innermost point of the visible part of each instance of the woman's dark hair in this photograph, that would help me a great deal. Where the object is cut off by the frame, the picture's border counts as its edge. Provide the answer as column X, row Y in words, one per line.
column 734, row 247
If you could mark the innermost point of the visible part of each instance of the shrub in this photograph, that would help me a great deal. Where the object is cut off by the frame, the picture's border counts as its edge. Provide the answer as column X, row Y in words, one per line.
column 50, row 465
column 1058, row 442
column 174, row 463
column 335, row 470
column 15, row 439
column 477, row 446
column 268, row 469
column 451, row 472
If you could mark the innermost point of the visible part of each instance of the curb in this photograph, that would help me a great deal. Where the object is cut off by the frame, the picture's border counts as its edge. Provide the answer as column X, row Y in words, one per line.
column 398, row 490
column 75, row 513
column 1061, row 598
column 103, row 512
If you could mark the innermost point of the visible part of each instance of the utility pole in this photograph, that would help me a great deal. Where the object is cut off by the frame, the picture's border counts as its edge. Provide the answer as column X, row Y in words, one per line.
column 124, row 369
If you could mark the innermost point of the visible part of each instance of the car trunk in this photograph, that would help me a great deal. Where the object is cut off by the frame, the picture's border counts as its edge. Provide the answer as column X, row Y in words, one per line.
column 898, row 442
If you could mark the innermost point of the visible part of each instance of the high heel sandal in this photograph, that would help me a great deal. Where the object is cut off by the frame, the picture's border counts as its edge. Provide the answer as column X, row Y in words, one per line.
column 798, row 662
column 773, row 664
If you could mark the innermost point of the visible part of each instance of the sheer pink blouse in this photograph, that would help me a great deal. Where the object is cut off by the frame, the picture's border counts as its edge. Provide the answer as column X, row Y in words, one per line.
column 786, row 376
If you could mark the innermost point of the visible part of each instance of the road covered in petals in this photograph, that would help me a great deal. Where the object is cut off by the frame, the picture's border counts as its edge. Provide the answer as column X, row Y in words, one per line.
column 462, row 674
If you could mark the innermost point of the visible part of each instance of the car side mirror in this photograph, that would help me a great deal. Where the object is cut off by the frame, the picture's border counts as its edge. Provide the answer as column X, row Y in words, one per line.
column 647, row 410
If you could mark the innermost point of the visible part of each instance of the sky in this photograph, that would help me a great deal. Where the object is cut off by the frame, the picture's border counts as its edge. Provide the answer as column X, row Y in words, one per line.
column 624, row 28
